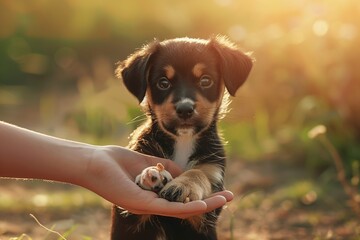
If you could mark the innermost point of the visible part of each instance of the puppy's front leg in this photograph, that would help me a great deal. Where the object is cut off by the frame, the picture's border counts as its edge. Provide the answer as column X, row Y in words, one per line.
column 189, row 186
column 194, row 184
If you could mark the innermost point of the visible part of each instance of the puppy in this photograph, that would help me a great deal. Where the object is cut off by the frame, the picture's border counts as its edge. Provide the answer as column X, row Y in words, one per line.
column 181, row 84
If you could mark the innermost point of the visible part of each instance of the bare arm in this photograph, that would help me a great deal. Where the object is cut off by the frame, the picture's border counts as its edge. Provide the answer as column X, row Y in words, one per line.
column 28, row 154
column 108, row 171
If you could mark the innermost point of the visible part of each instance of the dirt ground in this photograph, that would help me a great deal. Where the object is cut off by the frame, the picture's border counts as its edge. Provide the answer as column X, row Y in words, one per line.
column 273, row 201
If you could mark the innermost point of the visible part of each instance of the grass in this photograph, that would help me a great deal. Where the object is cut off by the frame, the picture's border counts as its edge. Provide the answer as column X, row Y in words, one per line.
column 50, row 211
column 63, row 200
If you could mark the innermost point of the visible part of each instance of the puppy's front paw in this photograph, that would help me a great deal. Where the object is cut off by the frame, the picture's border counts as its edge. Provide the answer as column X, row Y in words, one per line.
column 153, row 178
column 190, row 186
column 178, row 191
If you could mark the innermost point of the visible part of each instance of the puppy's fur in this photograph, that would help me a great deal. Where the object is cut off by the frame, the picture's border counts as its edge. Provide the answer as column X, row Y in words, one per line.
column 181, row 84
column 153, row 178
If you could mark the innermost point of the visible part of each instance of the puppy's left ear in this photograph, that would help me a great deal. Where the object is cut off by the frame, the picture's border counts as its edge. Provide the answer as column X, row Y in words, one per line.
column 134, row 70
column 235, row 65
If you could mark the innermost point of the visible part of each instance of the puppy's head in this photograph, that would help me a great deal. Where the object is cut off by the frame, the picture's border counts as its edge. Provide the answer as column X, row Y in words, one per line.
column 183, row 80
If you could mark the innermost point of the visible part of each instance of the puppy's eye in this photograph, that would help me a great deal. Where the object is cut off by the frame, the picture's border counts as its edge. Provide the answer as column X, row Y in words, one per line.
column 206, row 81
column 163, row 84
column 154, row 179
column 164, row 181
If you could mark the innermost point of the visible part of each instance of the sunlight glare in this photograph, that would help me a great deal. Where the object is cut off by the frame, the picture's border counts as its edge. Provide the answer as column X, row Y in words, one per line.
column 223, row 3
column 320, row 28
column 274, row 32
column 237, row 32
column 40, row 200
column 348, row 31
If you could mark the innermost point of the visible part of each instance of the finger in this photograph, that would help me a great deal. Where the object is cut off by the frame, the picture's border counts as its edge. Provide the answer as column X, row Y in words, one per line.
column 175, row 215
column 163, row 207
column 159, row 206
column 226, row 193
column 215, row 202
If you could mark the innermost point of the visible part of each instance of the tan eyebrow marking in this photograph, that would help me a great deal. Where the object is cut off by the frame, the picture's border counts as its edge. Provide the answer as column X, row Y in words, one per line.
column 169, row 71
column 198, row 69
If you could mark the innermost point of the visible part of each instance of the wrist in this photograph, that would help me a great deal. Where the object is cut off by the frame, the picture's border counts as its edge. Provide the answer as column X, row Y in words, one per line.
column 95, row 171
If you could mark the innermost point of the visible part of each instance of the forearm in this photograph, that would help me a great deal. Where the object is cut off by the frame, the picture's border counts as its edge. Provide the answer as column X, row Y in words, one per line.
column 27, row 154
column 105, row 170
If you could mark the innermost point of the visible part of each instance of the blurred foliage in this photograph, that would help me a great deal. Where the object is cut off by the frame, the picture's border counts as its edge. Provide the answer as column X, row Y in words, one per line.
column 56, row 201
column 57, row 60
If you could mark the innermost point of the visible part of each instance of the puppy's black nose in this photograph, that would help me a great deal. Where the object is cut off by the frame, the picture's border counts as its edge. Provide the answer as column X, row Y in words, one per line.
column 157, row 189
column 185, row 110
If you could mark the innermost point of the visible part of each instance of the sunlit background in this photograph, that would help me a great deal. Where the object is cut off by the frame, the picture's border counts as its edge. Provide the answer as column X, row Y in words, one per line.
column 57, row 61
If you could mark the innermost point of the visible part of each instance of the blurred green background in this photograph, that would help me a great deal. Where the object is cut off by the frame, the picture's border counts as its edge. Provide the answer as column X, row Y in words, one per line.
column 57, row 61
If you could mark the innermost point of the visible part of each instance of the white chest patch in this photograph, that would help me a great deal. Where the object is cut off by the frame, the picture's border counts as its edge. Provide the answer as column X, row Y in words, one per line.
column 184, row 147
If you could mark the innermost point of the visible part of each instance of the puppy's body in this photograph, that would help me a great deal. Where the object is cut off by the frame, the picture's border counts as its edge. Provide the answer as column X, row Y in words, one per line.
column 181, row 83
column 158, row 227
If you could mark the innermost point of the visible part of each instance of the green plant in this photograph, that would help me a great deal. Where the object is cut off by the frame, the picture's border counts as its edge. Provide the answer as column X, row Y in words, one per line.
column 352, row 192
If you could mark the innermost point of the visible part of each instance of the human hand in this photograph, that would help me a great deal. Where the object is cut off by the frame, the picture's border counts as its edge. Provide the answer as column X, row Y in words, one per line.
column 108, row 171
column 111, row 171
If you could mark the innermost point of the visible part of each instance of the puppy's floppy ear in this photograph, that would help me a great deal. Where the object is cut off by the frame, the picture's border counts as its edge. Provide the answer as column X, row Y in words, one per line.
column 134, row 70
column 235, row 65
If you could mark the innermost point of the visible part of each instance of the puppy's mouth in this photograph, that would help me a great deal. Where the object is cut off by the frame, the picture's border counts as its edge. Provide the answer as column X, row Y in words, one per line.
column 185, row 125
column 185, row 131
column 180, row 128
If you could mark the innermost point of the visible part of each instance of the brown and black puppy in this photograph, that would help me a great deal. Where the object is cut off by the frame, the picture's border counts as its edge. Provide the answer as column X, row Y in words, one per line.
column 181, row 84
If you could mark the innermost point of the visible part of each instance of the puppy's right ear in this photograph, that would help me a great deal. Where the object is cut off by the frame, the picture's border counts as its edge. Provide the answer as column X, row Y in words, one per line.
column 134, row 70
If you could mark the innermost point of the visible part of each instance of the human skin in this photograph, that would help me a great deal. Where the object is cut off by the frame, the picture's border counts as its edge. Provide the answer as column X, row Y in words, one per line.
column 109, row 171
